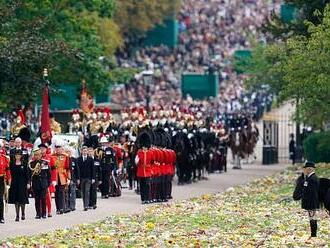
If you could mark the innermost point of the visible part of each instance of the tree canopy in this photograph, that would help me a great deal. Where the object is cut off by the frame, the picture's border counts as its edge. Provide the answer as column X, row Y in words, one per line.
column 68, row 37
column 298, row 68
column 306, row 11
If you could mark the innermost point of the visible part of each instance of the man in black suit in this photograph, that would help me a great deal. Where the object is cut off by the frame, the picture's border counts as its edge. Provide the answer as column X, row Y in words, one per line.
column 307, row 188
column 75, row 180
column 87, row 175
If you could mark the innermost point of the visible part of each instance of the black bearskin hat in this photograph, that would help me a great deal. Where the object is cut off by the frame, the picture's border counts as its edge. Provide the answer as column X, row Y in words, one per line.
column 144, row 140
column 25, row 134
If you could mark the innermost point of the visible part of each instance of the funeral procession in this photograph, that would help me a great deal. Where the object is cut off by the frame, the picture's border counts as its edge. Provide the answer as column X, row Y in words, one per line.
column 157, row 123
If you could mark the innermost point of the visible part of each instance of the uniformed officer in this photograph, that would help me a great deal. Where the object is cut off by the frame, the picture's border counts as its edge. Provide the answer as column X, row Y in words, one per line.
column 307, row 188
column 98, row 176
column 143, row 161
column 40, row 181
column 107, row 157
column 5, row 180
column 62, row 178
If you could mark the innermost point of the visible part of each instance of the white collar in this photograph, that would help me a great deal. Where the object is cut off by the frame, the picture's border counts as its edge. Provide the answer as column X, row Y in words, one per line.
column 310, row 174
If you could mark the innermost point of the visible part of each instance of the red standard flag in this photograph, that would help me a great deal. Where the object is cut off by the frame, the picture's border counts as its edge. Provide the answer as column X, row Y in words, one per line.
column 46, row 134
column 86, row 100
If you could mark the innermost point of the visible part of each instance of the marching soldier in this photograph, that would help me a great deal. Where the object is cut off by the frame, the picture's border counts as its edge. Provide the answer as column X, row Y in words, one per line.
column 46, row 155
column 98, row 176
column 62, row 178
column 307, row 188
column 144, row 161
column 5, row 179
column 107, row 157
column 40, row 181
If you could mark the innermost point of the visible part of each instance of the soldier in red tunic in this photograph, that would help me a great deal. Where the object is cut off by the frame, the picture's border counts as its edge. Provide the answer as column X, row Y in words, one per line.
column 5, row 180
column 143, row 161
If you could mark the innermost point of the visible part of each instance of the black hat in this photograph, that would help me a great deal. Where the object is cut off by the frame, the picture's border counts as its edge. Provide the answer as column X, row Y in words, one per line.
column 18, row 152
column 144, row 140
column 309, row 164
column 43, row 145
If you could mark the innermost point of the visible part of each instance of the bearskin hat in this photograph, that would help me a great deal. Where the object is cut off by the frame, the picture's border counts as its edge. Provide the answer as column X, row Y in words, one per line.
column 144, row 140
column 25, row 134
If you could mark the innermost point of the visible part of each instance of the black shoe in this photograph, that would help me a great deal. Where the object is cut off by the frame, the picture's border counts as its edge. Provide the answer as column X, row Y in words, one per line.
column 17, row 219
column 94, row 207
column 50, row 216
column 73, row 209
column 2, row 221
column 37, row 217
column 170, row 197
column 85, row 209
column 23, row 217
column 67, row 211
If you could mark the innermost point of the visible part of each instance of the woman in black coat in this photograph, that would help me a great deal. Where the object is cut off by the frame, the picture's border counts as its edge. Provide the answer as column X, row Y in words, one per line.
column 18, row 192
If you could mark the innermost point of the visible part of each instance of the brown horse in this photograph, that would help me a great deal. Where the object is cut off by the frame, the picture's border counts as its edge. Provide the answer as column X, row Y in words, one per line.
column 237, row 143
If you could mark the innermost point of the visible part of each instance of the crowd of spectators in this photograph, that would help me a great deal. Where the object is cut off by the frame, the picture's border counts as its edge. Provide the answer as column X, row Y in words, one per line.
column 210, row 32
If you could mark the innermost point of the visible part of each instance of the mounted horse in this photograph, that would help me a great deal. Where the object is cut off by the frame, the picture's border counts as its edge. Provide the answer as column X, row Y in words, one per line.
column 237, row 144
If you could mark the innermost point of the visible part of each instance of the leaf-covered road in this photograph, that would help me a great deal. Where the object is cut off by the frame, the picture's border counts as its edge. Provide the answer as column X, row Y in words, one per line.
column 260, row 214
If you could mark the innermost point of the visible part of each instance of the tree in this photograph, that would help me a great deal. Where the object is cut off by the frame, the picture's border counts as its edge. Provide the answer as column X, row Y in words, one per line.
column 68, row 37
column 298, row 68
column 306, row 11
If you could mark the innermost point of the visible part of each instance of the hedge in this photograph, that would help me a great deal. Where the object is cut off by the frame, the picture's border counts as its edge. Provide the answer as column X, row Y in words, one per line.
column 317, row 147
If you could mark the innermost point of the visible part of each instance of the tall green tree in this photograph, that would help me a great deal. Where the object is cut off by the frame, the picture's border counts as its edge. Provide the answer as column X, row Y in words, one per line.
column 299, row 69
column 66, row 36
column 306, row 11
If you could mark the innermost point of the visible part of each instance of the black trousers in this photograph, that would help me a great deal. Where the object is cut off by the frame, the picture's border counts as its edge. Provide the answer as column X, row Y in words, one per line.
column 60, row 197
column 105, row 187
column 93, row 194
column 2, row 192
column 145, row 188
column 40, row 201
column 130, row 174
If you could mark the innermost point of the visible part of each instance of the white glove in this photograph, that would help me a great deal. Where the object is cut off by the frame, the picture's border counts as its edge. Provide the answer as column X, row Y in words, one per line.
column 93, row 181
column 28, row 186
column 54, row 183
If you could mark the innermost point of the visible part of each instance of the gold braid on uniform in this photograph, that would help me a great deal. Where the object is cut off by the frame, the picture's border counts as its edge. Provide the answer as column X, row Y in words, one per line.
column 36, row 169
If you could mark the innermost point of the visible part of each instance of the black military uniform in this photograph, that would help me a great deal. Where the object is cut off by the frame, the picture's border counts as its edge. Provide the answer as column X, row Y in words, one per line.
column 41, row 180
column 94, row 186
column 307, row 189
column 107, row 157
column 75, row 177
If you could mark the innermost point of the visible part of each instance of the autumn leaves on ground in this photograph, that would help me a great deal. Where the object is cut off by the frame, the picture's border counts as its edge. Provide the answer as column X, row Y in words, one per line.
column 260, row 214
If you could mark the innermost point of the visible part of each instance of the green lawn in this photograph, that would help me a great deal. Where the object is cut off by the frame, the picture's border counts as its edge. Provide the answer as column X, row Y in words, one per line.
column 260, row 214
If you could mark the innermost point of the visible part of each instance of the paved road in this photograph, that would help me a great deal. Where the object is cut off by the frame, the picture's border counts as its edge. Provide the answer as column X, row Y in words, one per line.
column 129, row 202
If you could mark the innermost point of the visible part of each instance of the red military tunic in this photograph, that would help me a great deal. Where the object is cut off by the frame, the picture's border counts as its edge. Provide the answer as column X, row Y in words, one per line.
column 62, row 168
column 144, row 160
column 4, row 167
column 164, row 162
column 172, row 162
column 119, row 155
column 157, row 158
